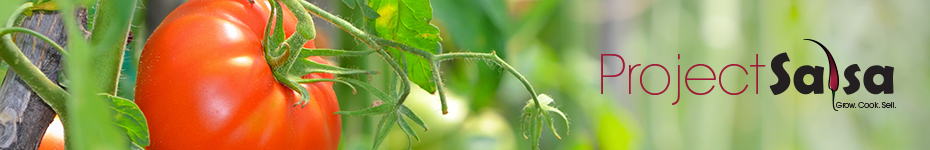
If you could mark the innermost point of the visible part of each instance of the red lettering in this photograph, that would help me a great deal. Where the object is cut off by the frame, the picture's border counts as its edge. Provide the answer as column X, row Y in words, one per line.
column 714, row 75
column 669, row 76
column 602, row 69
column 630, row 85
column 678, row 97
column 757, row 72
column 721, row 79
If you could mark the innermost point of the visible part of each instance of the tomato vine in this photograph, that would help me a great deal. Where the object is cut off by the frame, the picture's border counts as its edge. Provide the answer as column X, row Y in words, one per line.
column 393, row 110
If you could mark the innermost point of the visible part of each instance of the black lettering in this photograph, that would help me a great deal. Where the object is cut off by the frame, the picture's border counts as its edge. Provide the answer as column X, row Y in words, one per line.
column 816, row 86
column 783, row 79
column 887, row 73
column 850, row 74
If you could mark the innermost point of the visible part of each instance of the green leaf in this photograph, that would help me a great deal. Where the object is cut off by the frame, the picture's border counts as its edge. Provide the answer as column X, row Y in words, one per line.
column 406, row 127
column 380, row 109
column 398, row 88
column 546, row 98
column 135, row 146
column 368, row 11
column 374, row 91
column 408, row 22
column 45, row 6
column 350, row 3
column 130, row 117
column 548, row 120
column 40, row 1
column 413, row 116
column 392, row 114
column 303, row 67
column 294, row 85
column 384, row 127
column 91, row 17
column 327, row 80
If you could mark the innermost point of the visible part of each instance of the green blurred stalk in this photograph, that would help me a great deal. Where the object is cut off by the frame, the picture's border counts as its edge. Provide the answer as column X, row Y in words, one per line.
column 94, row 69
column 127, row 83
column 110, row 28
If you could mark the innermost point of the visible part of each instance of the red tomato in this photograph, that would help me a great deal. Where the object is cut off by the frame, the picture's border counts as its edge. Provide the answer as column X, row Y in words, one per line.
column 54, row 138
column 203, row 83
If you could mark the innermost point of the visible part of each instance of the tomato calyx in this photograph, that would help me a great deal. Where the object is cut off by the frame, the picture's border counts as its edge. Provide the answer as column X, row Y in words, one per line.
column 283, row 53
column 533, row 117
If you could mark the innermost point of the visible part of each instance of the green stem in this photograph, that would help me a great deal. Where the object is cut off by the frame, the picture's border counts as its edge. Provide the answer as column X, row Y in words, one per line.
column 341, row 23
column 413, row 50
column 305, row 31
column 335, row 52
column 368, row 40
column 76, row 45
column 292, row 46
column 327, row 80
column 434, row 59
column 305, row 26
column 405, row 86
column 438, row 80
column 374, row 42
column 37, row 35
column 10, row 22
column 94, row 69
column 51, row 93
column 833, row 98
column 275, row 60
column 500, row 62
column 107, row 39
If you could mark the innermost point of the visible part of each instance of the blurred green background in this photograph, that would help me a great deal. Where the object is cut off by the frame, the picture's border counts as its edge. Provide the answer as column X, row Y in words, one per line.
column 557, row 44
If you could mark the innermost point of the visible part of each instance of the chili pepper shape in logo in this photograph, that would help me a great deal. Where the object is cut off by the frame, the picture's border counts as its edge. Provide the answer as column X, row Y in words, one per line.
column 834, row 75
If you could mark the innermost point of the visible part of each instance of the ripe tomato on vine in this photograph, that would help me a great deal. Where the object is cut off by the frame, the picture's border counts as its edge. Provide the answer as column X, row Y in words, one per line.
column 204, row 81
